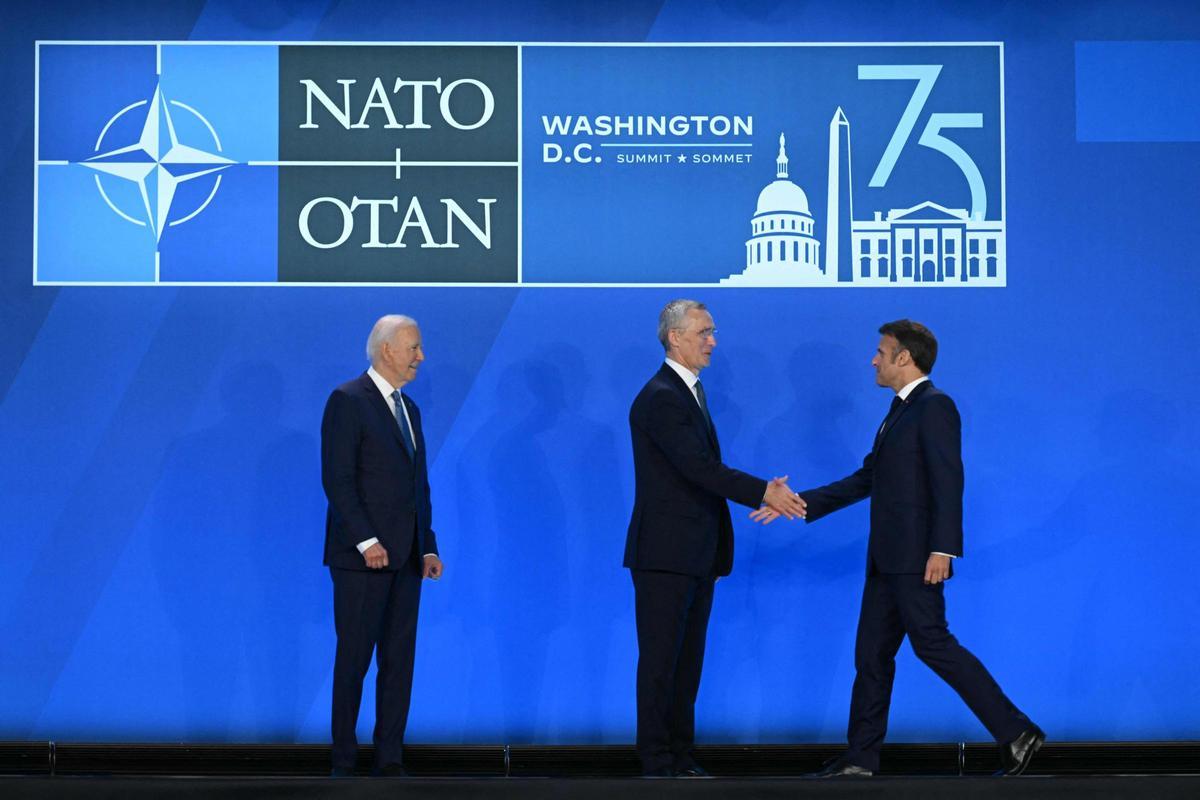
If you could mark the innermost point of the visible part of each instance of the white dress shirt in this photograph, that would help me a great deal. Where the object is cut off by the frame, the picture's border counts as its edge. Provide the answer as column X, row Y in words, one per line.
column 903, row 395
column 907, row 390
column 386, row 389
column 689, row 377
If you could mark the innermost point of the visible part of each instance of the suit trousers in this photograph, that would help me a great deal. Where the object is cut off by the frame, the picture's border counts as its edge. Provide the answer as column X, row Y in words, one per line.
column 374, row 611
column 895, row 606
column 672, row 621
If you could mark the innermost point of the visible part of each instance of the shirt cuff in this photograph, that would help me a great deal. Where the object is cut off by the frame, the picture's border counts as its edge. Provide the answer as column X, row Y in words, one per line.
column 947, row 555
column 435, row 555
column 366, row 545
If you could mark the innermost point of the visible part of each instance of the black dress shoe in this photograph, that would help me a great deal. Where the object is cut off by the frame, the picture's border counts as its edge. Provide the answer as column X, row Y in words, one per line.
column 1016, row 755
column 661, row 772
column 390, row 771
column 692, row 771
column 341, row 772
column 841, row 768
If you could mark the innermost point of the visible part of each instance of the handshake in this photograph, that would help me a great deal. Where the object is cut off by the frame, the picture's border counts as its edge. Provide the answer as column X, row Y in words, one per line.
column 779, row 501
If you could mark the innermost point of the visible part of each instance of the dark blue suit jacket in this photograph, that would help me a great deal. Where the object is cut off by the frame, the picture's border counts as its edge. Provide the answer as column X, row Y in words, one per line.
column 680, row 519
column 914, row 477
column 374, row 488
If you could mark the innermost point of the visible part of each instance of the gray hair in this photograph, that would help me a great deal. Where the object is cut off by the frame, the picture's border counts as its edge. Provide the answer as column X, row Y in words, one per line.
column 673, row 318
column 385, row 328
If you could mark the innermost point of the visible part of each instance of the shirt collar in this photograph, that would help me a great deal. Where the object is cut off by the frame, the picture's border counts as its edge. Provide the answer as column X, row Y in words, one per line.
column 381, row 383
column 689, row 377
column 907, row 390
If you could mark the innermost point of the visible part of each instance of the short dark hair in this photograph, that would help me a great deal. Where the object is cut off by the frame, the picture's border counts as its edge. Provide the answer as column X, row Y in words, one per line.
column 916, row 339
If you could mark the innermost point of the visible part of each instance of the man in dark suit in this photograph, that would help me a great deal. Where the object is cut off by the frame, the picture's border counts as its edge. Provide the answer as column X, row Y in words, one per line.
column 680, row 536
column 378, row 541
column 914, row 477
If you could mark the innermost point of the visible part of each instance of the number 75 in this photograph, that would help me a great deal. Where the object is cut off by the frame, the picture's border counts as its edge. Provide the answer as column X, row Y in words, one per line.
column 925, row 75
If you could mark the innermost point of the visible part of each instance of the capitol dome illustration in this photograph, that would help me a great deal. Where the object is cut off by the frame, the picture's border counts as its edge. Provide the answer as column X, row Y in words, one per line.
column 782, row 248
column 782, row 196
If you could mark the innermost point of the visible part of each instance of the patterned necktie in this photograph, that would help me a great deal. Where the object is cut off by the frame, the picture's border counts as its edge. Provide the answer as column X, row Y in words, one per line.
column 402, row 421
column 704, row 405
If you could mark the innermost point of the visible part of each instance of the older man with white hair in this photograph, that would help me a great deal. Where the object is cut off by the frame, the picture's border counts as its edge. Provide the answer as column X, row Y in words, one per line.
column 378, row 541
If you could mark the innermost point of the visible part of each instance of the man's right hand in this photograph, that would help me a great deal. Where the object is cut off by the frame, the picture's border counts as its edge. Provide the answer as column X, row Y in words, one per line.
column 783, row 501
column 764, row 514
column 376, row 556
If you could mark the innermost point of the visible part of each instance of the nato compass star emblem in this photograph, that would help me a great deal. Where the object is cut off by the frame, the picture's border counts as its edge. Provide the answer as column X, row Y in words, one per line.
column 157, row 163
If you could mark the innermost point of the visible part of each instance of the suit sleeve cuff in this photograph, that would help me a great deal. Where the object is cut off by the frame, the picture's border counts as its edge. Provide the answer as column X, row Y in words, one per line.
column 365, row 545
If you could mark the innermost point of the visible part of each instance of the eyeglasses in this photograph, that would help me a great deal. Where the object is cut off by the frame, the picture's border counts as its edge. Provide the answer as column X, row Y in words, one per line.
column 703, row 333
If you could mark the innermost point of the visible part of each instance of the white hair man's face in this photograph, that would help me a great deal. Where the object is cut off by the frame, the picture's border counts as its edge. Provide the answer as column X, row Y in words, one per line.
column 694, row 344
column 402, row 354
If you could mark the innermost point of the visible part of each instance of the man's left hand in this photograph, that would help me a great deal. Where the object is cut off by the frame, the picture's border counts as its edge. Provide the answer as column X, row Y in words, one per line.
column 433, row 568
column 937, row 569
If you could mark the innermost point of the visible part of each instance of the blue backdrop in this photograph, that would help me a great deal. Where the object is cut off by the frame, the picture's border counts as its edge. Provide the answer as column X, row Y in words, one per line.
column 161, row 506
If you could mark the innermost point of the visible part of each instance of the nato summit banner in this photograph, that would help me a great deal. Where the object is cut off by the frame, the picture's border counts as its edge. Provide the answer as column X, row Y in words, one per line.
column 520, row 164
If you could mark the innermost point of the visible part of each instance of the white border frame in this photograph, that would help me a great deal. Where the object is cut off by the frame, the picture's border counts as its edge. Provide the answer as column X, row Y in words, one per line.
column 520, row 48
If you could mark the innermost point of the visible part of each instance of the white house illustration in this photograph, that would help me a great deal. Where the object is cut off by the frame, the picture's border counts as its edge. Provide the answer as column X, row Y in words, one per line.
column 927, row 243
column 781, row 250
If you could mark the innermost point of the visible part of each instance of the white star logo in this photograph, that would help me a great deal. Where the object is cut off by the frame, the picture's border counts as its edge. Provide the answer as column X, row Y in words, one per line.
column 156, row 167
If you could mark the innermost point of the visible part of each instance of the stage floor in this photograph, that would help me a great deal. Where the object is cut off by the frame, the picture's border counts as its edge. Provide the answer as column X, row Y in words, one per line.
column 1158, row 787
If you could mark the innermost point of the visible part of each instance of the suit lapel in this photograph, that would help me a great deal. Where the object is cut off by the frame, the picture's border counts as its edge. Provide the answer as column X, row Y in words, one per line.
column 375, row 399
column 892, row 419
column 710, row 434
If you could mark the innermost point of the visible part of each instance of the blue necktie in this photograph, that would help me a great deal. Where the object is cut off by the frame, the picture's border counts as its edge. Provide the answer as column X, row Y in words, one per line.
column 418, row 484
column 402, row 421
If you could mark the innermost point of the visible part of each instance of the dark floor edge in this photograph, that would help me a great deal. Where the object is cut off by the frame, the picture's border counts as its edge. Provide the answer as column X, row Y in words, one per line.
column 493, row 760
column 499, row 788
